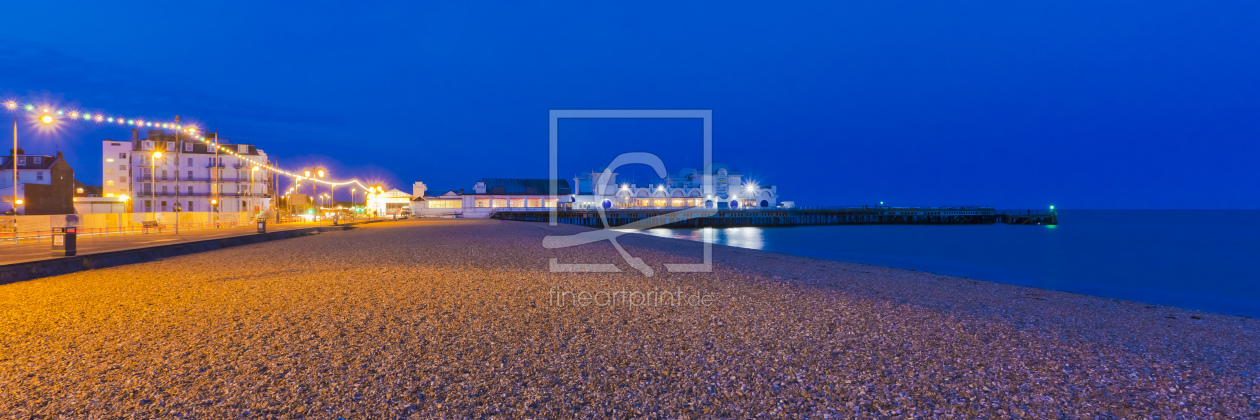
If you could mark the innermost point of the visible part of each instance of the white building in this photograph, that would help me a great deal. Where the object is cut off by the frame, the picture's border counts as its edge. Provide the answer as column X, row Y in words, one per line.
column 189, row 172
column 724, row 189
column 721, row 187
column 489, row 195
column 388, row 203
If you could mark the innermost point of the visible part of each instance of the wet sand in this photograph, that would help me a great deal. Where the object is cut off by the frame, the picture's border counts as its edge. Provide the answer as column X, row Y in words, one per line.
column 460, row 318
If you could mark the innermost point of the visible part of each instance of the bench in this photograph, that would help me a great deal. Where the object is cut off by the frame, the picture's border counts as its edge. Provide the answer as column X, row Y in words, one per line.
column 149, row 224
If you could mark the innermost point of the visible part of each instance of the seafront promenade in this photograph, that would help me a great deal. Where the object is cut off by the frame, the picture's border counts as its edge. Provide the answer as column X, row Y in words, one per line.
column 454, row 317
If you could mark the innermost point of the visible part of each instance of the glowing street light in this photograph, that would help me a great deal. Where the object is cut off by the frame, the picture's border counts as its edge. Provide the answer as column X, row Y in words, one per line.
column 47, row 119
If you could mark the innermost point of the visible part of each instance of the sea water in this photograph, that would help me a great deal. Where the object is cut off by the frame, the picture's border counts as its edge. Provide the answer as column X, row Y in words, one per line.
column 1195, row 259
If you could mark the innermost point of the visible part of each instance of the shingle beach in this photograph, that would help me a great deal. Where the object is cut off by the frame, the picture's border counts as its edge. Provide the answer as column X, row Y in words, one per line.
column 461, row 318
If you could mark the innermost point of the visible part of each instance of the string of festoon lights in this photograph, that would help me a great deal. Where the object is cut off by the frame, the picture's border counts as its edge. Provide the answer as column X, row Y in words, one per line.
column 48, row 115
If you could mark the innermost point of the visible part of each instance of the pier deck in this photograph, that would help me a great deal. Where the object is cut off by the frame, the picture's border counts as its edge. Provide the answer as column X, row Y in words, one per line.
column 691, row 218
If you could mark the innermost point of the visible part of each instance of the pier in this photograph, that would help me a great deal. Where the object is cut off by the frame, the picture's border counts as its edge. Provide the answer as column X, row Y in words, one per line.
column 695, row 218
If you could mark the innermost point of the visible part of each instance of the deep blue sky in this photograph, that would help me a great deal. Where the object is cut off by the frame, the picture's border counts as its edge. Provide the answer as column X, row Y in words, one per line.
column 1143, row 104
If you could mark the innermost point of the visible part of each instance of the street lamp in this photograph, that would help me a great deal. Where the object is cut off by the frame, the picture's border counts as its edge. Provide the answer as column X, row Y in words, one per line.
column 178, row 208
column 153, row 181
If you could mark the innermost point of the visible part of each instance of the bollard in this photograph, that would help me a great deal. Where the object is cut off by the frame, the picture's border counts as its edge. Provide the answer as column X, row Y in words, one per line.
column 64, row 243
column 262, row 225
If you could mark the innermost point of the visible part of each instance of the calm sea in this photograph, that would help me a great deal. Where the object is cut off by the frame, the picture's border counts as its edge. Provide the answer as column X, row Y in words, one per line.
column 1196, row 259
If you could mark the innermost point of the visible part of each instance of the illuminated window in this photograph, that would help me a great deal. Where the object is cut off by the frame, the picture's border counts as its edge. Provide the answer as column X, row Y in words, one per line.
column 518, row 202
column 109, row 170
column 550, row 202
column 660, row 202
column 643, row 202
column 534, row 202
column 500, row 202
column 482, row 203
column 109, row 183
column 110, row 160
column 678, row 202
column 445, row 204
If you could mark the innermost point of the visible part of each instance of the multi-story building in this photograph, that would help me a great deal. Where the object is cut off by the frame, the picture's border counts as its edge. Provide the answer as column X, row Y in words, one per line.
column 45, row 184
column 188, row 173
column 719, row 187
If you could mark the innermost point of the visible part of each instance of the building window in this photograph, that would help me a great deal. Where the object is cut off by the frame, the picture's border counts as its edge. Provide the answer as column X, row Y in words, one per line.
column 110, row 160
column 146, row 145
column 39, row 176
column 122, row 179
column 481, row 203
column 190, row 164
column 188, row 148
column 170, row 147
column 499, row 202
column 148, row 205
column 445, row 204
column 163, row 206
column 189, row 172
column 122, row 155
column 535, row 202
column 109, row 183
column 109, row 170
column 122, row 167
column 190, row 205
column 164, row 193
column 678, row 202
column 37, row 159
column 21, row 160
column 163, row 174
column 550, row 202
column 190, row 191
column 660, row 202
column 518, row 202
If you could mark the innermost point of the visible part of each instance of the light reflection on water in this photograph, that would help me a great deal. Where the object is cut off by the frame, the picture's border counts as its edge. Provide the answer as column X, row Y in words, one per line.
column 743, row 237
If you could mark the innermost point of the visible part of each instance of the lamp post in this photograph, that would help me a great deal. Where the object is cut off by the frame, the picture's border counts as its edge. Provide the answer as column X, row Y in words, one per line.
column 153, row 181
column 320, row 173
column 178, row 208
column 308, row 175
column 15, row 173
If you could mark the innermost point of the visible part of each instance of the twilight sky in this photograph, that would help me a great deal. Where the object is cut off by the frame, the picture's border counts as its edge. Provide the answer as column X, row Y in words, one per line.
column 1142, row 104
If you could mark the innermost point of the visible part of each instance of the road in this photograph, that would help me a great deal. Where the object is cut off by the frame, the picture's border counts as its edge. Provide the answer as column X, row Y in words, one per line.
column 42, row 250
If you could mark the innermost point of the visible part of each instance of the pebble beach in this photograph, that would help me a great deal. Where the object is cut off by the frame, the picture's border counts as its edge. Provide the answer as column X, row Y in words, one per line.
column 456, row 318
